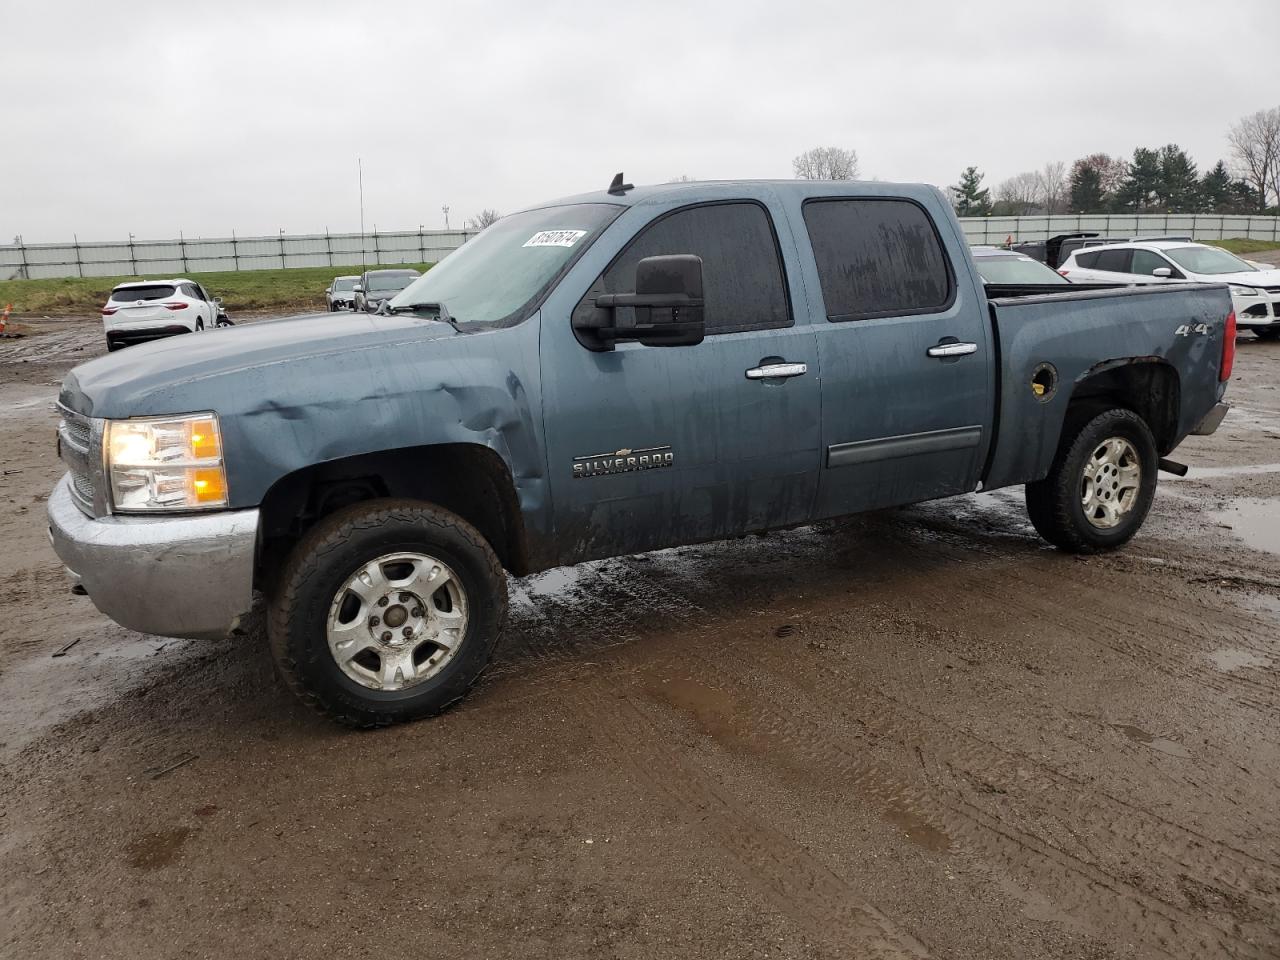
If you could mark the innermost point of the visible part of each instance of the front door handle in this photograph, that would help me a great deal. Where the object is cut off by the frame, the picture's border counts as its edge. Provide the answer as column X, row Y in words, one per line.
column 944, row 350
column 777, row 371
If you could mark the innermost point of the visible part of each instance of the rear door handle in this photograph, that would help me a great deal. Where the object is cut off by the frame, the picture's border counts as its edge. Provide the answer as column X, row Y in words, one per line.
column 777, row 371
column 944, row 350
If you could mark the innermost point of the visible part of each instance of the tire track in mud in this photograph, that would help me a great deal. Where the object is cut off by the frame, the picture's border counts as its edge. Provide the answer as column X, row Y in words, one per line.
column 1092, row 889
column 58, row 346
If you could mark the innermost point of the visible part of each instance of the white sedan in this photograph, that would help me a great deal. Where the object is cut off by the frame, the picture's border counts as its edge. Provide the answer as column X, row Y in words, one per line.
column 1255, row 293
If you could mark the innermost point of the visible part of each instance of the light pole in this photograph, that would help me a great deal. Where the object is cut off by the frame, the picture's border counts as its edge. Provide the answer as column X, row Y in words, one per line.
column 360, row 176
column 445, row 208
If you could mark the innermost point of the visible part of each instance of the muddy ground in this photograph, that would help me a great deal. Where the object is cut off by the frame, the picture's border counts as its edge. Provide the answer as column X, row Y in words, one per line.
column 917, row 734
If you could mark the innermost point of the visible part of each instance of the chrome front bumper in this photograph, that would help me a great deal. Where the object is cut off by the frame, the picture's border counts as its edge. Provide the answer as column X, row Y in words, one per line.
column 189, row 576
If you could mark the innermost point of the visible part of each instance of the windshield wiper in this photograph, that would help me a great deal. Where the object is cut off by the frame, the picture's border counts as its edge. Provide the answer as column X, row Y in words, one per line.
column 442, row 312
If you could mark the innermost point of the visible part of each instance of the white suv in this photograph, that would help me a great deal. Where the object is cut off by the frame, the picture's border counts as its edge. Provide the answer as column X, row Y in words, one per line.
column 151, row 309
column 1255, row 293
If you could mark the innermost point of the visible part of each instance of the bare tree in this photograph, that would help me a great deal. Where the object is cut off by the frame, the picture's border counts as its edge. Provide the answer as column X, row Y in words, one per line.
column 1111, row 170
column 1255, row 148
column 1053, row 186
column 483, row 219
column 826, row 163
column 1019, row 195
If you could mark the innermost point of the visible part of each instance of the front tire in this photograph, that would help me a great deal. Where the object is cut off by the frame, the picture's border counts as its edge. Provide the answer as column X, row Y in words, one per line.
column 387, row 611
column 1100, row 486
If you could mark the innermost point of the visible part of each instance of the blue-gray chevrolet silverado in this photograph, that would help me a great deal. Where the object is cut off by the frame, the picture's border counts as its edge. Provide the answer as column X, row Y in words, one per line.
column 612, row 373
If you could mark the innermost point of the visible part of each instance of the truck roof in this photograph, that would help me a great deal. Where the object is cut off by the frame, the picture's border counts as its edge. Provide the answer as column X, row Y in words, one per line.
column 637, row 195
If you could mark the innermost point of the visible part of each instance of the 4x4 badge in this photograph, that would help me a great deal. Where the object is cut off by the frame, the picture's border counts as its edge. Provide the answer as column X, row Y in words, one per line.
column 622, row 461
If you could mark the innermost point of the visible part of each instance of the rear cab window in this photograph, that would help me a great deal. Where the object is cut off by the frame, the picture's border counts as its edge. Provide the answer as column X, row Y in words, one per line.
column 878, row 257
column 158, row 291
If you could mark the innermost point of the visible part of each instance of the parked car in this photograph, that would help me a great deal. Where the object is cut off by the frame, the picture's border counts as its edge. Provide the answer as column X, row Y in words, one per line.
column 1001, row 267
column 1255, row 293
column 1054, row 251
column 608, row 374
column 376, row 286
column 152, row 309
column 340, row 294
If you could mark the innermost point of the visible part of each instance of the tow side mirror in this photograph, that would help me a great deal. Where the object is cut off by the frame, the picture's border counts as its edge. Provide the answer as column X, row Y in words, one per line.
column 218, row 301
column 668, row 306
column 357, row 289
column 1164, row 273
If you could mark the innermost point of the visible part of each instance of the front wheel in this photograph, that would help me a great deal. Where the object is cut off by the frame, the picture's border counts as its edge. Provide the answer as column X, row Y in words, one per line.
column 387, row 611
column 1100, row 486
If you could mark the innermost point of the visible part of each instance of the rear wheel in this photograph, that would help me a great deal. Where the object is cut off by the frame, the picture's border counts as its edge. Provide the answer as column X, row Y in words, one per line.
column 199, row 324
column 1100, row 486
column 387, row 611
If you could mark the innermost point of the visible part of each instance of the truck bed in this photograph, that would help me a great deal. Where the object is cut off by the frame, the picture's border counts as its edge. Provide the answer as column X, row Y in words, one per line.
column 1067, row 336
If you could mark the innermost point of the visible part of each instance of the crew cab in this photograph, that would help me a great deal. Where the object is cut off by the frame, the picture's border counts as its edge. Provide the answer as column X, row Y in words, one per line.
column 151, row 309
column 611, row 373
column 1255, row 292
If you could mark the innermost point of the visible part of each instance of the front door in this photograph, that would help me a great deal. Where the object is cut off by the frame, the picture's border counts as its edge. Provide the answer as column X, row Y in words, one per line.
column 905, row 348
column 653, row 446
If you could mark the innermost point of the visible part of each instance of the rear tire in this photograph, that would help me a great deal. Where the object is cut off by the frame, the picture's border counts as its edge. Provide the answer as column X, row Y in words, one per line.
column 1100, row 486
column 387, row 611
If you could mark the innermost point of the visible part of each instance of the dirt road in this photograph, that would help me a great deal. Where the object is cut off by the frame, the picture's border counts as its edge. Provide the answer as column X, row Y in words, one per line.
column 919, row 734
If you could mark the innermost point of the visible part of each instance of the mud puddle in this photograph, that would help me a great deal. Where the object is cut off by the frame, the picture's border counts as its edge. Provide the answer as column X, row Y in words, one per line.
column 1255, row 521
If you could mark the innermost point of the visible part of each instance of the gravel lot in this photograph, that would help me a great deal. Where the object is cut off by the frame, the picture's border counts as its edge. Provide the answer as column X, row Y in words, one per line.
column 916, row 734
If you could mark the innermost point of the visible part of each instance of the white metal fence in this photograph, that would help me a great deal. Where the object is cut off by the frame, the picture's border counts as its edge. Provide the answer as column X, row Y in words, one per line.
column 176, row 257
column 1199, row 226
column 179, row 257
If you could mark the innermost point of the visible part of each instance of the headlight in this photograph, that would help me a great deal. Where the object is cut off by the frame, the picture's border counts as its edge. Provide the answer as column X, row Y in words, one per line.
column 166, row 463
column 1244, row 291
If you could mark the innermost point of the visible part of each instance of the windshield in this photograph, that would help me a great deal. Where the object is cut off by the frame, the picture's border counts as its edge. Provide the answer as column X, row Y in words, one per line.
column 341, row 286
column 1016, row 270
column 510, row 264
column 1208, row 260
column 388, row 283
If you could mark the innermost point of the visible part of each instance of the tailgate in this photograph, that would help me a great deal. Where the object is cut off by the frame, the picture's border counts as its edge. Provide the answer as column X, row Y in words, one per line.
column 1060, row 339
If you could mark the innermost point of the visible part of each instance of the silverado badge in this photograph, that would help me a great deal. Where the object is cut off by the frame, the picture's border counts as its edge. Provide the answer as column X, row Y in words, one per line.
column 622, row 461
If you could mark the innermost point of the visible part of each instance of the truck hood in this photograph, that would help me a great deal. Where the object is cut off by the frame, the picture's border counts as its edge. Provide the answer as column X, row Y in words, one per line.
column 108, row 385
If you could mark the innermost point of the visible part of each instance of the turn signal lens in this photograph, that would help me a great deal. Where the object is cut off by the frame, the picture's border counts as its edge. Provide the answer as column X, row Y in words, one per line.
column 209, row 486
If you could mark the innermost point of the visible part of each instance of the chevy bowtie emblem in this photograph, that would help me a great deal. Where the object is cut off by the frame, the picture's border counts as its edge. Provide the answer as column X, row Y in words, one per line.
column 624, row 460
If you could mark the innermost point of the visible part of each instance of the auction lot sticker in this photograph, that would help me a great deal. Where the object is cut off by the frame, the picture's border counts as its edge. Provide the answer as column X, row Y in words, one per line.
column 555, row 238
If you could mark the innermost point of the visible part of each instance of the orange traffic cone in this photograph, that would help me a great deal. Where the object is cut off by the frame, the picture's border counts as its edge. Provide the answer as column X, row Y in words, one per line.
column 4, row 316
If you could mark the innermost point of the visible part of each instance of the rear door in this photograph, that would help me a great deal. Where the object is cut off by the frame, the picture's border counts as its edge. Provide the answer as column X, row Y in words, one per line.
column 906, row 351
column 653, row 446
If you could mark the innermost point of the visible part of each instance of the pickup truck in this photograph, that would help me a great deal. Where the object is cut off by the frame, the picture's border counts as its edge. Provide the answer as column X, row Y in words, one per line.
column 617, row 372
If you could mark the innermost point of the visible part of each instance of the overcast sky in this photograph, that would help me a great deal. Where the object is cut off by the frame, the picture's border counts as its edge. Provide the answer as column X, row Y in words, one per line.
column 151, row 118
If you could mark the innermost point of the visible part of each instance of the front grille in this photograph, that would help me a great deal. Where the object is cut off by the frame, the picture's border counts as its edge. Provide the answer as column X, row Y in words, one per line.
column 76, row 435
column 77, row 428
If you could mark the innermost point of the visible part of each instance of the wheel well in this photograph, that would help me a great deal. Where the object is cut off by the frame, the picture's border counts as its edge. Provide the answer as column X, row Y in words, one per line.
column 469, row 480
column 1147, row 386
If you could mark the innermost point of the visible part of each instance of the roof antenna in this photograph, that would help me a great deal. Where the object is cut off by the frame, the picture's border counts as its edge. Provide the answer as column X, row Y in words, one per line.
column 618, row 188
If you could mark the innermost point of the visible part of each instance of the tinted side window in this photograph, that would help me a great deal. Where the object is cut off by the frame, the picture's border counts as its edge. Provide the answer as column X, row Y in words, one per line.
column 742, row 279
column 877, row 258
column 1144, row 261
column 1087, row 261
column 1113, row 261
